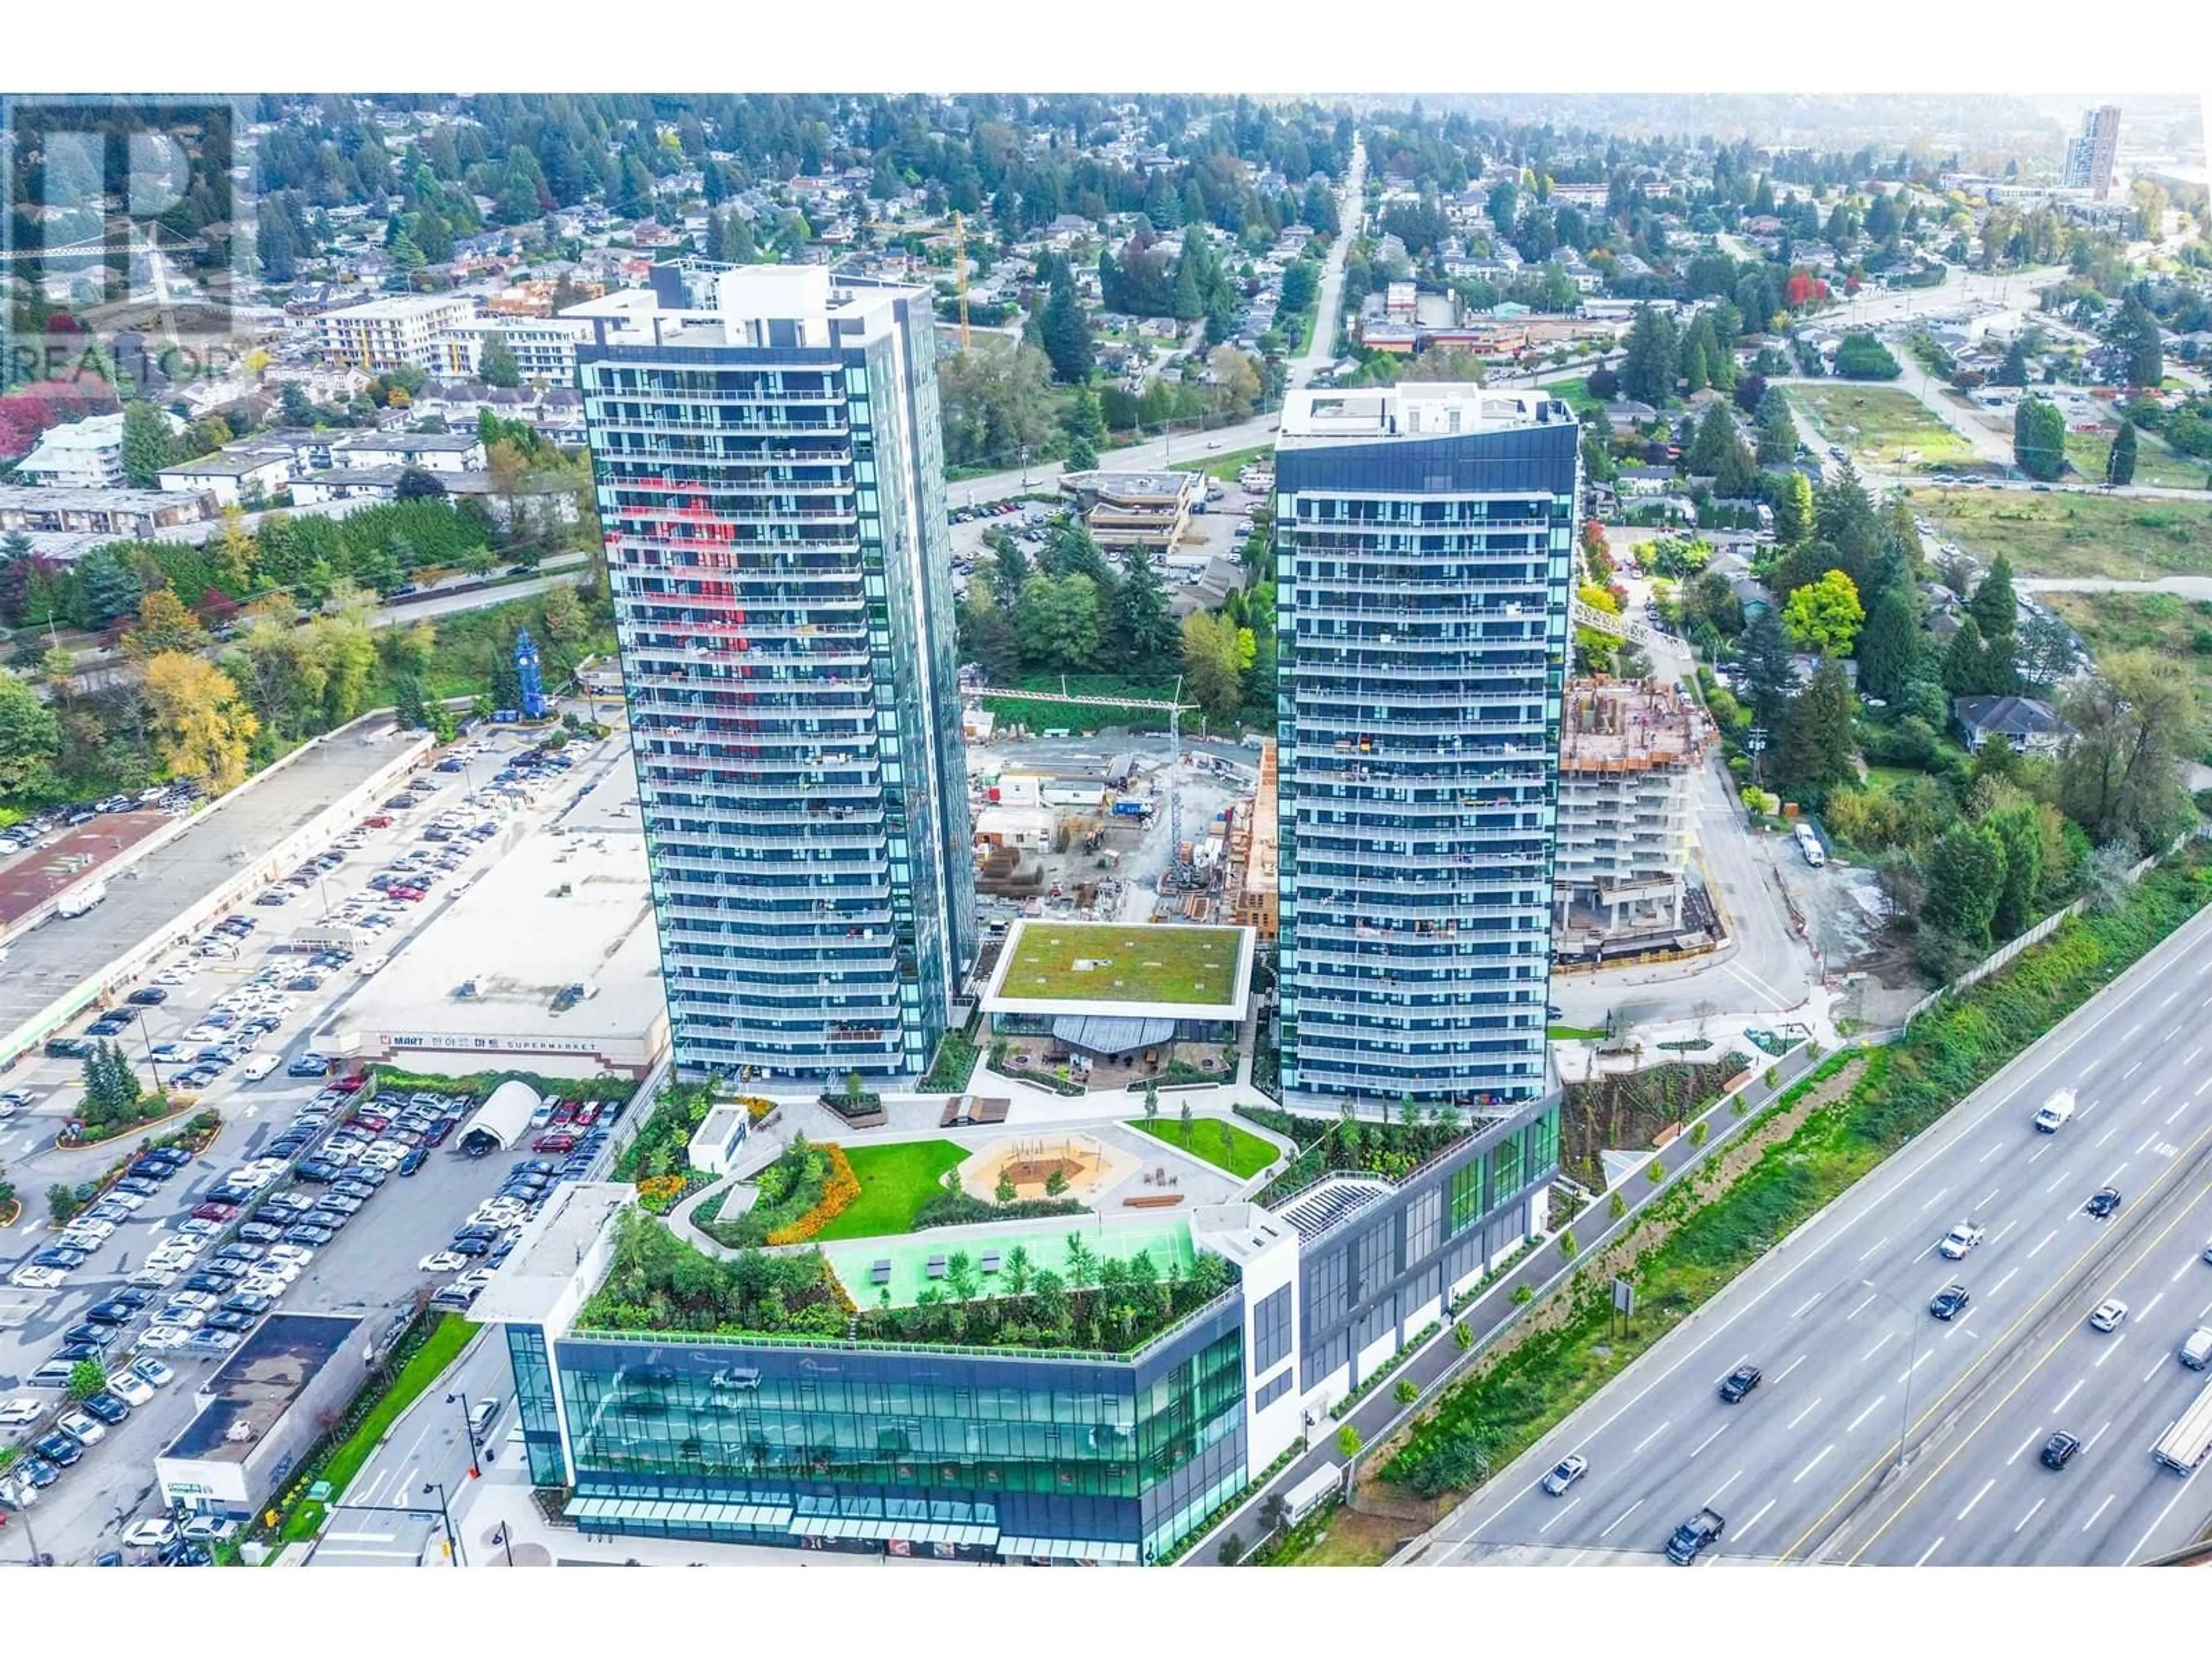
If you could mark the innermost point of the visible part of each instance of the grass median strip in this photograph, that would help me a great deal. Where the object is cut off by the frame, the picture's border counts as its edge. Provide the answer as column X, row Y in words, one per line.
column 1857, row 1110
column 439, row 1350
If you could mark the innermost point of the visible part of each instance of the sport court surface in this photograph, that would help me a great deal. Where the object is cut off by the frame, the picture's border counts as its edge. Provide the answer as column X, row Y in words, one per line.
column 1195, row 965
column 147, row 897
column 1168, row 1242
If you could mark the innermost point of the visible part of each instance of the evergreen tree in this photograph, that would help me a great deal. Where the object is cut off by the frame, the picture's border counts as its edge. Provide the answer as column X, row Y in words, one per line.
column 1143, row 629
column 1965, row 878
column 1793, row 509
column 1770, row 673
column 1064, row 333
column 1995, row 605
column 1965, row 661
column 1820, row 743
column 2120, row 464
column 496, row 363
column 1716, row 431
column 1777, row 431
column 2039, row 438
column 146, row 445
column 2014, row 371
column 2018, row 831
column 2135, row 334
column 1891, row 645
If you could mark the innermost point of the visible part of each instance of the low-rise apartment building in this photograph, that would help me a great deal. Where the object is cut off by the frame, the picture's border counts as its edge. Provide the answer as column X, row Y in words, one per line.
column 398, row 331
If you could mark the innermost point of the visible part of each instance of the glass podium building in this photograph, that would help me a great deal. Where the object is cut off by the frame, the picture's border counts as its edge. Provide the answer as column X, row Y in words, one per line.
column 766, row 454
column 1424, row 538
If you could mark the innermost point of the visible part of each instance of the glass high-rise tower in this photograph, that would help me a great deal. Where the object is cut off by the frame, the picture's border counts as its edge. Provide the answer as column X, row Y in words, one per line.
column 766, row 453
column 1424, row 540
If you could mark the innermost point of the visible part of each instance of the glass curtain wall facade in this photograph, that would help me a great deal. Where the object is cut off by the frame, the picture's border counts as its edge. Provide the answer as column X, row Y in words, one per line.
column 1422, row 585
column 775, row 534
column 1077, row 1459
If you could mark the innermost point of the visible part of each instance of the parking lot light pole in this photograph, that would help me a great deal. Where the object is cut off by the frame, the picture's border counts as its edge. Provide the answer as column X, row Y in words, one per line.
column 153, row 1065
column 468, row 1428
column 1912, row 1364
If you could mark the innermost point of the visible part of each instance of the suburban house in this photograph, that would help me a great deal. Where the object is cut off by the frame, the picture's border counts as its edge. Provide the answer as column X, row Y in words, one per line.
column 240, row 475
column 2030, row 727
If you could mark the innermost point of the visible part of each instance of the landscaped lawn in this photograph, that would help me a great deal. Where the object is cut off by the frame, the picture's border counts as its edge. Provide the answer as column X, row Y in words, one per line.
column 1195, row 965
column 1572, row 1033
column 1883, row 425
column 895, row 1181
column 1245, row 1156
column 2070, row 533
column 1226, row 467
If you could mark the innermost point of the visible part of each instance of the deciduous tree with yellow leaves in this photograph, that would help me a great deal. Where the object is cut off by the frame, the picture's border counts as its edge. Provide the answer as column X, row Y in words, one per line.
column 204, row 727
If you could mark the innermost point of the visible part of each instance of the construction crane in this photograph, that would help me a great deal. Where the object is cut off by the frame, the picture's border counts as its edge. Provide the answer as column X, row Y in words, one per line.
column 1174, row 708
column 960, row 271
column 1633, row 630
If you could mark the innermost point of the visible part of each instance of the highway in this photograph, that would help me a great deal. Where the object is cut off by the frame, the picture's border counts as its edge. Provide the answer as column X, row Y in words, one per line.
column 1857, row 1369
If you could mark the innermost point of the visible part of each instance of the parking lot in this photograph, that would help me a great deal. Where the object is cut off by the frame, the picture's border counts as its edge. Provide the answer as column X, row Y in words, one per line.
column 175, row 1262
column 149, row 897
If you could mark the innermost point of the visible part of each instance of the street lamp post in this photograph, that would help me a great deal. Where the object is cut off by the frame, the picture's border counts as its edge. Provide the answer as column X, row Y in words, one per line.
column 1912, row 1364
column 470, row 1429
column 444, row 1515
column 153, row 1065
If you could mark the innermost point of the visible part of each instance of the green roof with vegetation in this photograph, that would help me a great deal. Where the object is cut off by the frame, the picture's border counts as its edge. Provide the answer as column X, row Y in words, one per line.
column 1099, row 962
column 1088, row 1302
column 1346, row 1145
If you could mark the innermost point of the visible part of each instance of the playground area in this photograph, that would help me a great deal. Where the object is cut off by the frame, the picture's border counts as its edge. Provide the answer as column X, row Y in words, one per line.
column 1068, row 1164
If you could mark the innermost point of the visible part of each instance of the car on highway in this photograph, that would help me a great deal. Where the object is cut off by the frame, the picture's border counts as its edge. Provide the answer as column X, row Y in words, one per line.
column 1960, row 1240
column 1565, row 1473
column 1950, row 1302
column 2057, row 1112
column 2104, row 1202
column 2196, row 1349
column 1739, row 1382
column 1704, row 1527
column 2108, row 1315
column 2058, row 1451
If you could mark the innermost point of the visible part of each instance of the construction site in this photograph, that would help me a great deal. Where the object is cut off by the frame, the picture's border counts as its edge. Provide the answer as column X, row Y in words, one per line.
column 1628, row 755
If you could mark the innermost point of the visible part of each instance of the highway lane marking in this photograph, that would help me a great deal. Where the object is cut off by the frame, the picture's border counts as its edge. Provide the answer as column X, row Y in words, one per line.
column 2056, row 1185
column 1991, row 1153
column 2024, row 1445
column 2201, row 1087
column 2099, row 1511
column 1710, row 1438
column 1879, row 1345
column 1792, row 1366
column 2029, row 1517
column 1650, row 1438
column 2002, row 1283
column 1806, row 1303
column 1917, row 1364
column 1875, row 1246
column 1723, row 1487
column 1977, row 1498
column 1982, row 1202
column 2090, row 1444
column 2133, row 1069
column 2050, row 1353
column 2177, row 1111
column 1930, row 1551
column 1932, row 1202
column 1807, row 1412
column 2169, row 1001
column 2173, row 953
column 2108, row 1135
column 1559, row 1514
column 2181, row 1491
column 2045, row 1239
column 1622, row 1516
column 2111, row 1348
column 2148, row 1305
column 2039, row 1151
column 1863, row 1306
column 1814, row 1464
column 2177, row 1272
column 1998, row 1236
column 2149, row 1141
column 1868, row 1413
column 2156, row 1365
column 2193, row 1053
column 1755, row 1520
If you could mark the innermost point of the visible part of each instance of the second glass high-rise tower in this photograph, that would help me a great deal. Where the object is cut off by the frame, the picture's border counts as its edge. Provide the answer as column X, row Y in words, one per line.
column 766, row 451
column 1424, row 537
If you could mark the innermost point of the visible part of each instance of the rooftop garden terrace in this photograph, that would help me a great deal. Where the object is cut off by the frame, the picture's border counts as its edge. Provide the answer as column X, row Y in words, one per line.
column 1392, row 1148
column 1052, row 1292
column 1093, row 962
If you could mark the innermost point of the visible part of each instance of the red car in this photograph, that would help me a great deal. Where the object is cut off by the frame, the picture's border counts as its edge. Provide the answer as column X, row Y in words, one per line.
column 557, row 1141
column 588, row 1113
column 375, row 1122
column 378, row 821
column 346, row 1085
column 214, row 1212
column 405, row 895
column 563, row 1115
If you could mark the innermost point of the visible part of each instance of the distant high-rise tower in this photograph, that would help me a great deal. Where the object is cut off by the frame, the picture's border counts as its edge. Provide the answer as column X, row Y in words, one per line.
column 2090, row 156
column 768, row 460
column 1424, row 538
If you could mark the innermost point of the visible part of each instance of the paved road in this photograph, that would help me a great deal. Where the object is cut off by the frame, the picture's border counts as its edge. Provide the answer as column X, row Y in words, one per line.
column 1350, row 210
column 1837, row 1317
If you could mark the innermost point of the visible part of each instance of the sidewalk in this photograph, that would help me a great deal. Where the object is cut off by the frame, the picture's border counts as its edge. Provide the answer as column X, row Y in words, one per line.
column 501, row 1527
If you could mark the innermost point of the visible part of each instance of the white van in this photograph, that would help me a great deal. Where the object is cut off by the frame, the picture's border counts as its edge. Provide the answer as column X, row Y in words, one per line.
column 257, row 1067
column 2196, row 1351
column 2057, row 1113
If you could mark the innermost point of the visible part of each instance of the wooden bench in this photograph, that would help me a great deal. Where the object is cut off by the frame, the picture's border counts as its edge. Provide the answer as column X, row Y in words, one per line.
column 1153, row 1201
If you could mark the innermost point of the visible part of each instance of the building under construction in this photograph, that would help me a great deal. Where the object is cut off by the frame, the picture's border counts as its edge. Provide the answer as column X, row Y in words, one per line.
column 1249, row 888
column 1629, row 753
